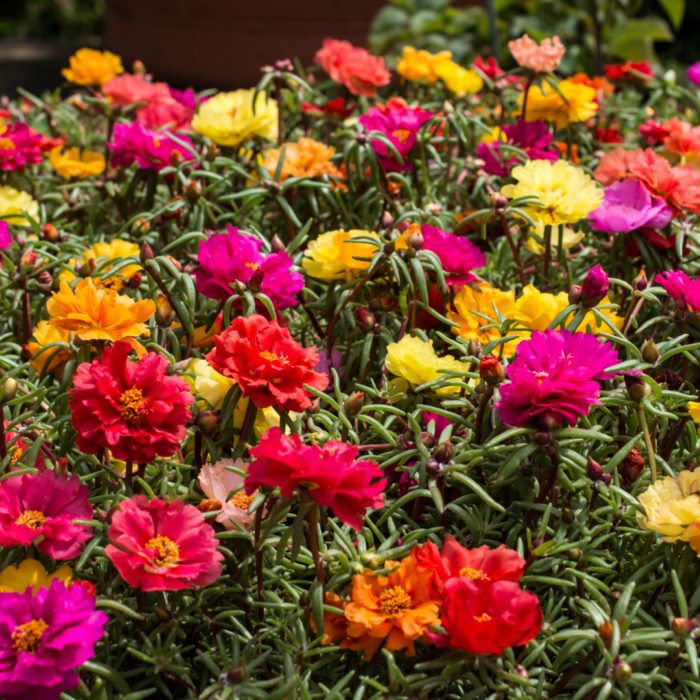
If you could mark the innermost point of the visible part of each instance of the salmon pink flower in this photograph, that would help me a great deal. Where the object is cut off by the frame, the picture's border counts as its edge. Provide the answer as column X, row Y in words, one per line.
column 267, row 363
column 329, row 473
column 352, row 66
column 628, row 206
column 544, row 57
column 684, row 290
column 39, row 509
column 217, row 482
column 44, row 637
column 227, row 258
column 554, row 377
column 654, row 132
column 19, row 147
column 150, row 149
column 131, row 408
column 160, row 546
column 485, row 618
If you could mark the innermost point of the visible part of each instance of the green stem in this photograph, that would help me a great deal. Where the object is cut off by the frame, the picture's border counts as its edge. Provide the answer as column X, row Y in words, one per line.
column 647, row 441
column 547, row 251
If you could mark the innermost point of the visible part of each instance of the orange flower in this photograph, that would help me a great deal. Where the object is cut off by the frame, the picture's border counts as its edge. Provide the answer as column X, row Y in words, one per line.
column 601, row 85
column 335, row 626
column 564, row 150
column 398, row 608
column 91, row 67
column 306, row 158
column 683, row 139
column 100, row 314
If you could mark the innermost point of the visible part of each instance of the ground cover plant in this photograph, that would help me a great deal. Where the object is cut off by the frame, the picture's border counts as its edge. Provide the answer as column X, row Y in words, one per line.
column 376, row 380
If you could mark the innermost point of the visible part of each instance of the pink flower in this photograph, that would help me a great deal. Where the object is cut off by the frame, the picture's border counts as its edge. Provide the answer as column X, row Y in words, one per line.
column 328, row 474
column 457, row 255
column 401, row 127
column 594, row 287
column 352, row 66
column 693, row 74
column 217, row 482
column 38, row 509
column 19, row 147
column 5, row 237
column 684, row 290
column 628, row 206
column 554, row 377
column 541, row 58
column 150, row 149
column 159, row 546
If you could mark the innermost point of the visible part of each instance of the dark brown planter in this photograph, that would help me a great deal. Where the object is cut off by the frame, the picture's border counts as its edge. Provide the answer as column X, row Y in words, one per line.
column 224, row 43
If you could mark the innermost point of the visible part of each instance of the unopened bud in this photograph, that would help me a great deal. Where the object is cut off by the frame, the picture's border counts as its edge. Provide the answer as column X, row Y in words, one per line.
column 255, row 283
column 593, row 470
column 138, row 67
column 575, row 294
column 176, row 158
column 568, row 516
column 208, row 421
column 432, row 467
column 389, row 248
column 594, row 288
column 491, row 370
column 606, row 633
column 9, row 389
column 640, row 282
column 650, row 352
column 414, row 237
column 365, row 319
column 193, row 191
column 526, row 470
column 45, row 281
column 522, row 671
column 354, row 403
column 314, row 408
column 134, row 281
column 443, row 452
column 497, row 200
column 573, row 554
column 632, row 465
column 433, row 209
column 635, row 385
column 207, row 505
column 607, row 479
column 140, row 227
column 546, row 421
column 146, row 252
column 474, row 348
column 543, row 437
column 212, row 152
column 173, row 213
column 276, row 244
column 50, row 233
column 163, row 614
column 164, row 312
column 684, row 627
column 622, row 671
column 239, row 287
column 28, row 259
column 428, row 440
column 387, row 220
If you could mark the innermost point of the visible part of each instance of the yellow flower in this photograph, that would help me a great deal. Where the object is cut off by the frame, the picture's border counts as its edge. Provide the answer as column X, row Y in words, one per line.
column 459, row 80
column 13, row 203
column 421, row 65
column 415, row 362
column 30, row 573
column 71, row 165
column 228, row 119
column 694, row 410
column 91, row 67
column 45, row 334
column 495, row 135
column 546, row 104
column 116, row 248
column 481, row 299
column 100, row 314
column 306, row 158
column 567, row 194
column 672, row 505
column 332, row 256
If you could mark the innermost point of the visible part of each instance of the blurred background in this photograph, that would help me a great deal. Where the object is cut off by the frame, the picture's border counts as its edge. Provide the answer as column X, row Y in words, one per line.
column 223, row 43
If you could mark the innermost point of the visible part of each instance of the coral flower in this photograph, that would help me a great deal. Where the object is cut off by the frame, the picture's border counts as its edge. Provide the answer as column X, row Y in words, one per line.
column 305, row 158
column 228, row 118
column 217, row 482
column 399, row 607
column 627, row 206
column 100, row 253
column 31, row 574
column 230, row 257
column 486, row 618
column 544, row 57
column 38, row 509
column 44, row 639
column 684, row 290
column 554, row 377
column 546, row 104
column 630, row 70
column 91, row 67
column 333, row 255
column 401, row 127
column 99, row 314
column 45, row 334
column 421, row 65
column 267, row 363
column 329, row 474
column 672, row 506
column 19, row 147
column 149, row 149
column 352, row 66
column 654, row 132
column 416, row 363
column 130, row 408
column 336, row 108
column 74, row 166
column 567, row 194
column 15, row 204
column 160, row 546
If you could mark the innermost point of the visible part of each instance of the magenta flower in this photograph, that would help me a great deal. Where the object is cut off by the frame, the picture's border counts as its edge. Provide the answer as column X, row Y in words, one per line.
column 39, row 508
column 230, row 257
column 684, row 290
column 401, row 127
column 440, row 422
column 693, row 74
column 186, row 98
column 594, row 287
column 532, row 137
column 5, row 237
column 324, row 365
column 627, row 206
column 457, row 255
column 553, row 378
column 19, row 147
column 150, row 149
column 44, row 638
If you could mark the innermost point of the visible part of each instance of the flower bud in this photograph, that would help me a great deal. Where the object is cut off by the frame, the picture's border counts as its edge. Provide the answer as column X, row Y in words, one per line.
column 314, row 408
column 522, row 671
column 354, row 403
column 387, row 220
column 670, row 379
column 632, row 466
column 684, row 627
column 28, row 259
column 146, row 252
column 414, row 237
column 62, row 467
column 240, row 288
column 176, row 158
column 491, row 370
column 50, row 233
column 546, row 421
column 640, row 281
column 573, row 554
column 526, row 470
column 44, row 282
column 134, row 281
column 497, row 200
column 575, row 292
column 474, row 348
column 428, row 440
column 277, row 244
column 543, row 437
column 255, row 283
column 207, row 505
column 568, row 516
column 650, row 352
column 432, row 467
column 138, row 67
column 433, row 209
column 208, row 421
column 389, row 248
column 140, row 227
column 9, row 389
column 607, row 479
column 593, row 470
column 235, row 676
column 193, row 191
column 606, row 633
column 635, row 385
column 164, row 312
column 594, row 287
column 365, row 319
column 443, row 452
column 622, row 671
column 175, row 213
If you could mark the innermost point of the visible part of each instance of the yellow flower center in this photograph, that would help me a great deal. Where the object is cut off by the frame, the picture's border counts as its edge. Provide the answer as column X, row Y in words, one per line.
column 241, row 500
column 156, row 142
column 132, row 401
column 7, row 144
column 27, row 637
column 31, row 518
column 401, row 135
column 253, row 266
column 16, row 455
column 483, row 618
column 167, row 552
column 394, row 601
column 271, row 357
column 473, row 574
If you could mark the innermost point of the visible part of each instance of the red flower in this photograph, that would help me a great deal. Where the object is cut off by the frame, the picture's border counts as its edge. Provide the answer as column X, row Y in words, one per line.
column 332, row 477
column 653, row 132
column 352, row 66
column 482, row 564
column 492, row 70
column 130, row 408
column 630, row 70
column 39, row 509
column 267, row 363
column 391, row 103
column 159, row 546
column 609, row 135
column 333, row 108
column 48, row 143
column 485, row 618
